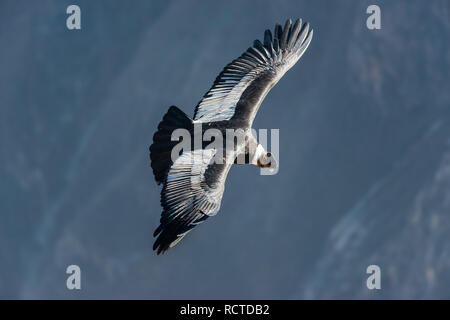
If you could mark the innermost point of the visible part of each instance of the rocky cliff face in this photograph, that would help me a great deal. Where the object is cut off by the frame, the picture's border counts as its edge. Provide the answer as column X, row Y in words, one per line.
column 364, row 157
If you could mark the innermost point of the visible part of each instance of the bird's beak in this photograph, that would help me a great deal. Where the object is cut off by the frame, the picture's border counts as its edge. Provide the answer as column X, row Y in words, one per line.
column 273, row 166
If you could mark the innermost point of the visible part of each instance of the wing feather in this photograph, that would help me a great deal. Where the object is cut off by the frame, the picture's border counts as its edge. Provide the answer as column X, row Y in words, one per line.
column 192, row 192
column 242, row 85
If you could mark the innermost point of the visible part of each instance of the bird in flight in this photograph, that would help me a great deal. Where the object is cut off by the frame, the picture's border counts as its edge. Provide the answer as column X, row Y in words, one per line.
column 194, row 178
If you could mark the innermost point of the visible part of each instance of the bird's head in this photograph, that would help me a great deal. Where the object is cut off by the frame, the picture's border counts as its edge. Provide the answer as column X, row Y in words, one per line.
column 267, row 160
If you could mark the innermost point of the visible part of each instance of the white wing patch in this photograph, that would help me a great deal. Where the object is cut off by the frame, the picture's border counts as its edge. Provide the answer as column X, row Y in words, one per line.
column 185, row 188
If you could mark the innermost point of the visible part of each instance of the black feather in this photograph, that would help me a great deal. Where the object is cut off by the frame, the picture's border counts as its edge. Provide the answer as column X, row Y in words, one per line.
column 161, row 149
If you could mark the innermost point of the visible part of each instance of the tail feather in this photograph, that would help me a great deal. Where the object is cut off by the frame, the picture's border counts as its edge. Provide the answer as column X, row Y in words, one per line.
column 161, row 149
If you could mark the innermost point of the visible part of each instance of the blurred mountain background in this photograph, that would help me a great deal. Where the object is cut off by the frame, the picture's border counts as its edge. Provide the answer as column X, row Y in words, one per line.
column 364, row 175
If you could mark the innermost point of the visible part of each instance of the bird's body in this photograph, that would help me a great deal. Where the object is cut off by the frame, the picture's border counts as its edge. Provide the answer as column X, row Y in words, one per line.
column 194, row 178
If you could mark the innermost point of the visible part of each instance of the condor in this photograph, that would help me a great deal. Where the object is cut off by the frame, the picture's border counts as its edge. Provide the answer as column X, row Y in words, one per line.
column 193, row 183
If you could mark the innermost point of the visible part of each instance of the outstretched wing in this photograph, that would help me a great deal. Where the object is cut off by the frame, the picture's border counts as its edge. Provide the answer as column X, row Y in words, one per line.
column 242, row 85
column 192, row 192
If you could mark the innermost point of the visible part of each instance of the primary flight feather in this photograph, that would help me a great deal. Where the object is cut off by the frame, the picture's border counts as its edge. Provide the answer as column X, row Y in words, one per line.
column 194, row 181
